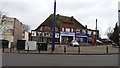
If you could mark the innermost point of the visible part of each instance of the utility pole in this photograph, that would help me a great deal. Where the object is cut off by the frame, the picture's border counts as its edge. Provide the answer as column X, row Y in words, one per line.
column 54, row 26
column 96, row 25
column 96, row 32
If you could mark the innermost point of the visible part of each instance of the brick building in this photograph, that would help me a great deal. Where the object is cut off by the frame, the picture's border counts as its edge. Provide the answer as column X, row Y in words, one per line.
column 67, row 29
column 10, row 29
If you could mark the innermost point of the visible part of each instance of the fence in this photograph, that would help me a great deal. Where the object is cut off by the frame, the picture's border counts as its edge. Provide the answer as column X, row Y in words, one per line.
column 64, row 49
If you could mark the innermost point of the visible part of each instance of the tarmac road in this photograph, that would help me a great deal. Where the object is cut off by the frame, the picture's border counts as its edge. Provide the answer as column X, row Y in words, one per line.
column 58, row 60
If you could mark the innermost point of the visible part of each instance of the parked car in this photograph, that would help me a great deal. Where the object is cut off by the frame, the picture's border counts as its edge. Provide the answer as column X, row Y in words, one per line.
column 115, row 44
column 74, row 43
column 106, row 41
column 99, row 42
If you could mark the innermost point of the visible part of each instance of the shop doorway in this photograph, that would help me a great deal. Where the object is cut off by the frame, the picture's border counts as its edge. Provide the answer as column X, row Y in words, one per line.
column 66, row 39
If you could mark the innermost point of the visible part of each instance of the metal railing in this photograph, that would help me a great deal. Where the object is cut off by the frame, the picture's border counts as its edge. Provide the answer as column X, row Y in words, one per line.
column 63, row 49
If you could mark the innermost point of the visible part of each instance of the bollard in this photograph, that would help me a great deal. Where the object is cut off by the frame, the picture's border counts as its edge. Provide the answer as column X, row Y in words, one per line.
column 3, row 49
column 28, row 49
column 79, row 49
column 106, row 49
column 64, row 49
column 39, row 49
column 51, row 50
column 10, row 50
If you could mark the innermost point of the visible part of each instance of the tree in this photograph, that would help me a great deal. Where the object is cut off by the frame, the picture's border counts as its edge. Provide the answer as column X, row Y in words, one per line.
column 26, row 27
column 115, row 35
column 109, row 31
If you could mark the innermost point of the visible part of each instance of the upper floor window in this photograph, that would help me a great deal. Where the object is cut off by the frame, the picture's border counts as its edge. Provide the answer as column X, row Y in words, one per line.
column 94, row 33
column 6, row 30
column 67, row 30
column 7, row 22
column 89, row 32
column 56, row 29
column 83, row 31
column 71, row 30
column 41, row 28
column 77, row 30
column 62, row 29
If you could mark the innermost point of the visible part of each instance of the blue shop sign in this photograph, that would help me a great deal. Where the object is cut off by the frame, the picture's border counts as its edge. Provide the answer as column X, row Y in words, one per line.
column 67, row 33
column 81, row 34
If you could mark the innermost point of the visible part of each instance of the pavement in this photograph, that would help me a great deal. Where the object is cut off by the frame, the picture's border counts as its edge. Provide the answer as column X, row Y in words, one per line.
column 83, row 50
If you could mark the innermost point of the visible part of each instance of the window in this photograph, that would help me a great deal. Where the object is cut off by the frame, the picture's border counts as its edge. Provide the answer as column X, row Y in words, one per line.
column 89, row 32
column 10, row 30
column 62, row 29
column 41, row 28
column 71, row 30
column 94, row 33
column 67, row 29
column 7, row 22
column 33, row 33
column 56, row 29
column 23, row 36
column 83, row 31
column 6, row 30
column 78, row 30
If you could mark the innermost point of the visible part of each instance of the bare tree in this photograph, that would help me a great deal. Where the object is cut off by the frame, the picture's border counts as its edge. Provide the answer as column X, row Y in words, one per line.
column 26, row 27
column 109, row 31
column 2, row 14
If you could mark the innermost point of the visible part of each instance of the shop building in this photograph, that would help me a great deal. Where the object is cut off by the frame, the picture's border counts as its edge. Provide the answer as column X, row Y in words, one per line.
column 67, row 29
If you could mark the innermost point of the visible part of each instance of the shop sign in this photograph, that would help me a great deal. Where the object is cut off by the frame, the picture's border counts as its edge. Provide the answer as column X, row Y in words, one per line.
column 78, row 34
column 34, row 33
column 67, row 33
column 56, row 35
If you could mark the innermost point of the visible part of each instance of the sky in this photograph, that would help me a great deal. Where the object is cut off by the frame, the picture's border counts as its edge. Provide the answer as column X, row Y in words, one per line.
column 34, row 12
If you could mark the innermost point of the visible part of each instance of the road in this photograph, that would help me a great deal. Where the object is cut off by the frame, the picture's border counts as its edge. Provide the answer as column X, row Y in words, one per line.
column 58, row 60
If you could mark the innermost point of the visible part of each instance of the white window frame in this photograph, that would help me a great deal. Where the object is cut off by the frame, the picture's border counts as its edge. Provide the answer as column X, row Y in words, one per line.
column 63, row 29
column 71, row 30
column 67, row 29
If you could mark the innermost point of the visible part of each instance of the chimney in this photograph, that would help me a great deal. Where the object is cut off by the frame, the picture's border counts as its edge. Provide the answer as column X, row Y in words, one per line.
column 57, row 16
column 71, row 18
column 86, row 26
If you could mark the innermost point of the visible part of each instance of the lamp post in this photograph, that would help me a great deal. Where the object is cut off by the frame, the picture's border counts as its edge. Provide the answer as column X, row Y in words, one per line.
column 96, row 32
column 54, row 26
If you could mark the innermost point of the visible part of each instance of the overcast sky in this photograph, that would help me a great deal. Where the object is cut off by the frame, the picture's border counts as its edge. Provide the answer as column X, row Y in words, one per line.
column 34, row 12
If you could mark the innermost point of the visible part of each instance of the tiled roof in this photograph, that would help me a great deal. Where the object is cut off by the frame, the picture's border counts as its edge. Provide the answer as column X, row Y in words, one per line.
column 60, row 18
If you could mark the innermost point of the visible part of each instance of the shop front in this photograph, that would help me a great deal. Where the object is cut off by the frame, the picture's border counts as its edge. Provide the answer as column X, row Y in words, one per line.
column 47, row 37
column 66, row 37
column 81, row 38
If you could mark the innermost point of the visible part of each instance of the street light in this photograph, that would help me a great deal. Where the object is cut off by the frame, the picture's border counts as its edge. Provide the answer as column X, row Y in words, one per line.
column 54, row 26
column 96, row 33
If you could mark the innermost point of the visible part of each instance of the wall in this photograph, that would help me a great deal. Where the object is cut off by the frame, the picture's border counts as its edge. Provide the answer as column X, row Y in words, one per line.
column 17, row 30
column 25, row 36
